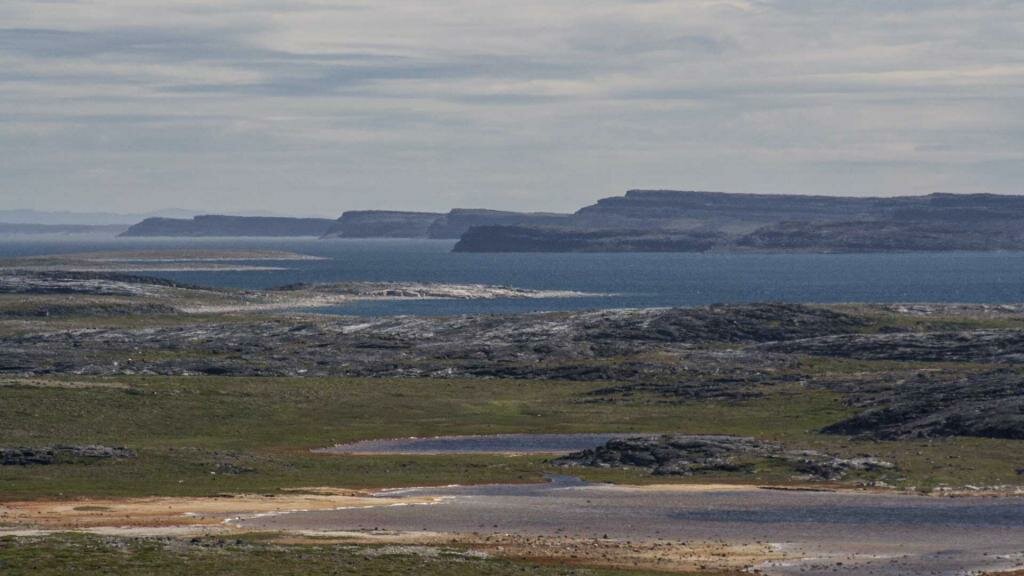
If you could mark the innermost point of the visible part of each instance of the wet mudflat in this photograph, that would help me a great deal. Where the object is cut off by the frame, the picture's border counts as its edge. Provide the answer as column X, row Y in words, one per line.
column 826, row 532
column 482, row 444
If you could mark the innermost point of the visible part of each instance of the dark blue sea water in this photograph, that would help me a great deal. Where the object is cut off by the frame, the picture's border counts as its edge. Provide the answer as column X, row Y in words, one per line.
column 630, row 280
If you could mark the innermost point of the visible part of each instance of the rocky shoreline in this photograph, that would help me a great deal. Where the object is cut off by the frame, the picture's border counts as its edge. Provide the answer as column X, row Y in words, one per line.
column 938, row 370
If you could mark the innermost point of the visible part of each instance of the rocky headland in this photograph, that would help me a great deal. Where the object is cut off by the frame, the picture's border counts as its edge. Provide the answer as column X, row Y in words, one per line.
column 690, row 221
column 218, row 225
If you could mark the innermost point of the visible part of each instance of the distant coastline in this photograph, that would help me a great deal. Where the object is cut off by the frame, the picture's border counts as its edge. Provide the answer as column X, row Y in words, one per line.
column 651, row 221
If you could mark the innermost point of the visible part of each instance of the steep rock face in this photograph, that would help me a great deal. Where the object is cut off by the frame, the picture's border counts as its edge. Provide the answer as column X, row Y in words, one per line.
column 665, row 220
column 722, row 210
column 214, row 225
column 382, row 224
column 454, row 224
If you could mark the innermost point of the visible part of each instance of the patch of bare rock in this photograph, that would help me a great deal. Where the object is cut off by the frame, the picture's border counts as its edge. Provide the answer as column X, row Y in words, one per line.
column 25, row 456
column 987, row 404
column 679, row 455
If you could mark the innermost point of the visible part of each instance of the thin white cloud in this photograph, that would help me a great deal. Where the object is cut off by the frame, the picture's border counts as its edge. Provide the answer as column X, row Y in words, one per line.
column 537, row 104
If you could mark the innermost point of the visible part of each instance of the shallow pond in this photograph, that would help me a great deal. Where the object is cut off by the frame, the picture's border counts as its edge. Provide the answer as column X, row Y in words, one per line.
column 484, row 444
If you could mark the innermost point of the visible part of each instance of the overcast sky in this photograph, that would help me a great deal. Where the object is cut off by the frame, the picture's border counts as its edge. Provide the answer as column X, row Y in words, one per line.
column 317, row 106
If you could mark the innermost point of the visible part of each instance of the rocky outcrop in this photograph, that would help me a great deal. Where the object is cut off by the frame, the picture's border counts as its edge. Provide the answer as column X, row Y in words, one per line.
column 728, row 353
column 454, row 224
column 989, row 405
column 89, row 283
column 26, row 456
column 381, row 224
column 680, row 455
column 716, row 323
column 23, row 456
column 216, row 225
column 953, row 346
column 579, row 346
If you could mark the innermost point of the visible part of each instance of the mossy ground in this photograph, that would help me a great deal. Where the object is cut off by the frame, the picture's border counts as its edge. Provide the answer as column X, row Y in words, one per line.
column 209, row 435
column 80, row 554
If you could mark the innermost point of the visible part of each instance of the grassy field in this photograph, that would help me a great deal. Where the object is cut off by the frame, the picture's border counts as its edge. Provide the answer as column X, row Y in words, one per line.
column 57, row 555
column 209, row 435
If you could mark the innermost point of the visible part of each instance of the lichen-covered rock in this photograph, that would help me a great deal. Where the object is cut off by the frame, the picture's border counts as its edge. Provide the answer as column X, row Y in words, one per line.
column 688, row 455
column 24, row 456
column 989, row 404
column 1003, row 346
column 548, row 345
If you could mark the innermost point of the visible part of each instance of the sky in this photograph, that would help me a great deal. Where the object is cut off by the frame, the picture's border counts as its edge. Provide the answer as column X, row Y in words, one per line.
column 317, row 106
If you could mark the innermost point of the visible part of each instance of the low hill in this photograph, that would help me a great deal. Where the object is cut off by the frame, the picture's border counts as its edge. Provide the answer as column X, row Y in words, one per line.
column 216, row 225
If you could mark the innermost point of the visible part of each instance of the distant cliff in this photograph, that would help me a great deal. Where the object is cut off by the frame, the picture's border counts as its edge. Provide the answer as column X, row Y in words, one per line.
column 539, row 239
column 659, row 220
column 381, row 224
column 665, row 220
column 888, row 236
column 455, row 223
column 214, row 225
column 729, row 212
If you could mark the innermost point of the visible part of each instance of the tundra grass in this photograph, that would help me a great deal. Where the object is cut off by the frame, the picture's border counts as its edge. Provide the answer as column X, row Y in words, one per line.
column 61, row 554
column 207, row 435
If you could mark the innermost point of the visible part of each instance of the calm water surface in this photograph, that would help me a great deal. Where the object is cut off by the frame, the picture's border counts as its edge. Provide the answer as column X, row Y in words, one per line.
column 483, row 444
column 630, row 280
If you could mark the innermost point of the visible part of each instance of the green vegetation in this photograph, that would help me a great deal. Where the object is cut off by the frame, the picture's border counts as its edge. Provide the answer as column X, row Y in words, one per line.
column 252, row 555
column 24, row 317
column 881, row 321
column 208, row 435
